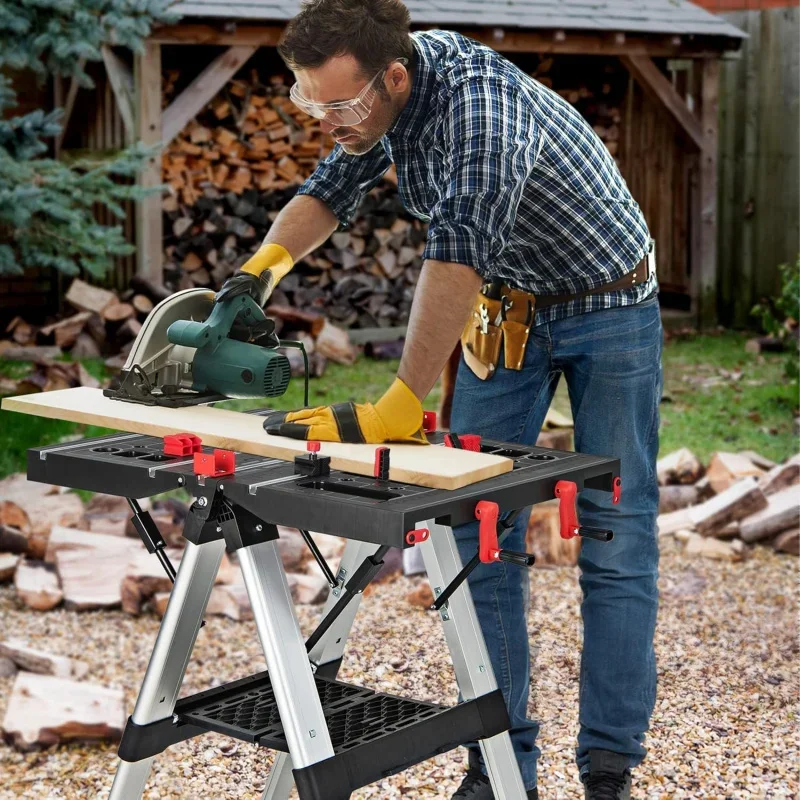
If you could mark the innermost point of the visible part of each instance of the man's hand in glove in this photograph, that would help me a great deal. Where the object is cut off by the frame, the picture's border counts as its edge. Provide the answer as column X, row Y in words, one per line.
column 396, row 417
column 259, row 276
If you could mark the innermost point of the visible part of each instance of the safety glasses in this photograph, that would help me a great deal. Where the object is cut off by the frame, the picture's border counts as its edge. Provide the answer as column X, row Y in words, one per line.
column 345, row 112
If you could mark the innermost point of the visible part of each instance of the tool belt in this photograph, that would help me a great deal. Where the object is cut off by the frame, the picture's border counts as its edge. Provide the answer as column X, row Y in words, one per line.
column 503, row 316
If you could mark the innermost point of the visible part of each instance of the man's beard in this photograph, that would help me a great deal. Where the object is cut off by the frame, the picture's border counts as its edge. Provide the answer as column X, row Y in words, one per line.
column 368, row 139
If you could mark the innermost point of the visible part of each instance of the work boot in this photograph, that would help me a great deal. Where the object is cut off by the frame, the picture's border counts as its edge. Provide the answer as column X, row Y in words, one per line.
column 608, row 778
column 476, row 785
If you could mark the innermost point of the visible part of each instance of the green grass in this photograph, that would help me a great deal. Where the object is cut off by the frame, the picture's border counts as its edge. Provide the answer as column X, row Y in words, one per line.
column 755, row 412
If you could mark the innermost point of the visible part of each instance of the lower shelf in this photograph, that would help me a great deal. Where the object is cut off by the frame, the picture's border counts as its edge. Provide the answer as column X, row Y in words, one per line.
column 374, row 735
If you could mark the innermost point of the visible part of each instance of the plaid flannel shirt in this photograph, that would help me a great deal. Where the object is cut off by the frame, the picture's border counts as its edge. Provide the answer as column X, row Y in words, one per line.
column 513, row 181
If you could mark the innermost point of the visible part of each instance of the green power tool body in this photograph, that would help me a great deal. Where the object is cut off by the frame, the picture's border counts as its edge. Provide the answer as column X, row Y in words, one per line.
column 191, row 351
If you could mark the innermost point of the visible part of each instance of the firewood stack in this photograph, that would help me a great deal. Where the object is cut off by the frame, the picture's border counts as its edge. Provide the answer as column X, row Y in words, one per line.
column 241, row 160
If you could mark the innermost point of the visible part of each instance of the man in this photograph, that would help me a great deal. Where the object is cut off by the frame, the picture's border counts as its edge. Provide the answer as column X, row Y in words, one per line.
column 519, row 192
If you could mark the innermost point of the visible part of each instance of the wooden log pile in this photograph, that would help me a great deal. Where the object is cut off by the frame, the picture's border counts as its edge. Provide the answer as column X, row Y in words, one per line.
column 737, row 501
column 56, row 550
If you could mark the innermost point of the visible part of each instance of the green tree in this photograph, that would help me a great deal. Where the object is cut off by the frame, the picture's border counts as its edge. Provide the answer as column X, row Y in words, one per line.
column 46, row 217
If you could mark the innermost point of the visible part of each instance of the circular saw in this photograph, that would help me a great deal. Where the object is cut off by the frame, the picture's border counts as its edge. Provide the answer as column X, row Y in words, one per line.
column 192, row 351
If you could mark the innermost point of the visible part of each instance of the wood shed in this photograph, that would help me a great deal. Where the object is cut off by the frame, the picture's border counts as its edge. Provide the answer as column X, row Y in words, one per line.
column 644, row 72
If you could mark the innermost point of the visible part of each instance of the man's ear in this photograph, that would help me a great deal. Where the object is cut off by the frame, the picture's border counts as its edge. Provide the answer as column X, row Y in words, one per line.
column 398, row 77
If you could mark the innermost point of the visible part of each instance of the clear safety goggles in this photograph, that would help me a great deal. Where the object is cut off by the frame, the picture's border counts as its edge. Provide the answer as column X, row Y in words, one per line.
column 345, row 112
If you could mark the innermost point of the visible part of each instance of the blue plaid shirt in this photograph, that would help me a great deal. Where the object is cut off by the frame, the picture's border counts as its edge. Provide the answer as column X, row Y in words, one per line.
column 513, row 181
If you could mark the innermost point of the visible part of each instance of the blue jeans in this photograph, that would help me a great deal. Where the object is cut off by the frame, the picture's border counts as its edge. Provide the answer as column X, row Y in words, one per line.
column 611, row 361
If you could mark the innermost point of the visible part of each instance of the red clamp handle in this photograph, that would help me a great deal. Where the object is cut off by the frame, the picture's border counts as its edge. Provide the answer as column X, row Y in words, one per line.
column 464, row 441
column 566, row 492
column 617, row 491
column 429, row 421
column 313, row 447
column 418, row 535
column 182, row 444
column 216, row 464
column 488, row 514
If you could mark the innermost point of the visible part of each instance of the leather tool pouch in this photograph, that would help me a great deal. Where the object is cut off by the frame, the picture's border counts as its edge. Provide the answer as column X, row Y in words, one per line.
column 482, row 350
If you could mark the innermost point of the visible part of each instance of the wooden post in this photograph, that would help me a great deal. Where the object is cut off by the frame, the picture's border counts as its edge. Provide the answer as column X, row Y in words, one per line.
column 149, row 227
column 704, row 222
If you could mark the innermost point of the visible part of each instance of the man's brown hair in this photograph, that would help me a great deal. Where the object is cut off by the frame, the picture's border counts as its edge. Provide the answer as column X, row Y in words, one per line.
column 373, row 31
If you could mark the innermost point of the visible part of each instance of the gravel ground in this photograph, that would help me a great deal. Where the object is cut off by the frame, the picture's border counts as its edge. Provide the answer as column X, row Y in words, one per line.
column 725, row 724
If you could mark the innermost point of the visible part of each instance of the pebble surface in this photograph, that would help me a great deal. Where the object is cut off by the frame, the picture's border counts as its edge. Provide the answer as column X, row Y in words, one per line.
column 725, row 725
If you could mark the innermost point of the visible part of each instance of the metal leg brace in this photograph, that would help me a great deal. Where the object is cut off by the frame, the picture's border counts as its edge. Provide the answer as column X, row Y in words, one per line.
column 171, row 652
column 329, row 648
column 468, row 651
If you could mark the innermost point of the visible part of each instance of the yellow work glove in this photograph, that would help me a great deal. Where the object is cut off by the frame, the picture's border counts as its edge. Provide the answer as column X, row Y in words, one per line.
column 259, row 276
column 396, row 417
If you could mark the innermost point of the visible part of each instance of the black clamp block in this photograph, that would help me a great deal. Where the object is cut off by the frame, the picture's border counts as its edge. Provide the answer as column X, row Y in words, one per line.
column 312, row 465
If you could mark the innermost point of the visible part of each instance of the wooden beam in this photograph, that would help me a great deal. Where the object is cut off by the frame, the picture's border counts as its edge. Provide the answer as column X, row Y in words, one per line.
column 68, row 106
column 186, row 106
column 121, row 79
column 511, row 41
column 705, row 271
column 255, row 35
column 656, row 85
column 149, row 226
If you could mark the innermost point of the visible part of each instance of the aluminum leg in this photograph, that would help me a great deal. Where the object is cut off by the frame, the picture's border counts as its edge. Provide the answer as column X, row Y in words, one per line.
column 290, row 672
column 171, row 653
column 469, row 654
column 329, row 648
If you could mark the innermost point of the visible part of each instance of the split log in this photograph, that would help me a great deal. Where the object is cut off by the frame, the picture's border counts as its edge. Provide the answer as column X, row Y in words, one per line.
column 89, row 298
column 118, row 312
column 760, row 461
column 697, row 545
column 37, row 585
column 674, row 521
column 292, row 548
column 334, row 343
column 62, row 539
column 85, row 347
column 67, row 330
column 781, row 477
column 41, row 353
column 543, row 537
column 12, row 540
column 672, row 498
column 681, row 466
column 44, row 711
column 307, row 589
column 8, row 566
column 311, row 321
column 725, row 469
column 782, row 512
column 143, row 578
column 91, row 577
column 740, row 501
column 230, row 601
column 27, row 658
column 142, row 303
column 788, row 542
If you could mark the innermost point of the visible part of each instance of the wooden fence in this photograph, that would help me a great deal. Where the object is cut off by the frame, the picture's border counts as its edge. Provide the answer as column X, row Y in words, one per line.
column 759, row 156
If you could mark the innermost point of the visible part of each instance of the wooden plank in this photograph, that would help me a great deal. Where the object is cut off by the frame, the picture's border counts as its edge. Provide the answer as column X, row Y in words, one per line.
column 511, row 41
column 436, row 467
column 121, row 79
column 149, row 225
column 191, row 100
column 657, row 85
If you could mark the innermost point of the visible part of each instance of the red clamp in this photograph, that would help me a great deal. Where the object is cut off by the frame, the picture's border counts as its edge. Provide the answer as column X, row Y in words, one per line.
column 464, row 441
column 182, row 444
column 215, row 464
column 488, row 546
column 617, row 491
column 313, row 447
column 429, row 421
column 419, row 535
column 381, row 470
column 566, row 492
